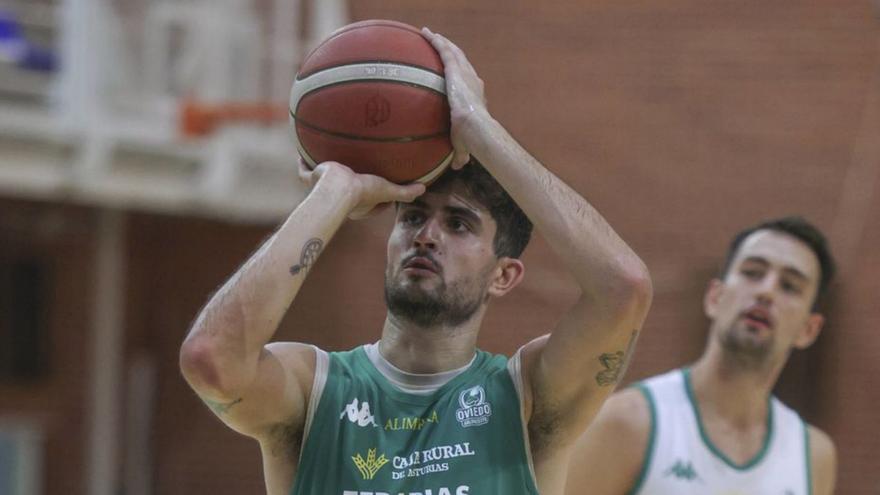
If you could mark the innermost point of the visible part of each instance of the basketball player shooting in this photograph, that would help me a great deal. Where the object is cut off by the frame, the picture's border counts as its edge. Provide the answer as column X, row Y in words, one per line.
column 423, row 411
column 715, row 428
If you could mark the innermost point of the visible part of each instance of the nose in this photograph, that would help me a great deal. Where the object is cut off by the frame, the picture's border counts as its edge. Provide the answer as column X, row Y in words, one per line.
column 767, row 288
column 427, row 236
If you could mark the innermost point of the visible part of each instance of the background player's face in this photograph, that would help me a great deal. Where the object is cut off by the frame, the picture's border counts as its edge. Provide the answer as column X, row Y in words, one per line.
column 762, row 308
column 440, row 258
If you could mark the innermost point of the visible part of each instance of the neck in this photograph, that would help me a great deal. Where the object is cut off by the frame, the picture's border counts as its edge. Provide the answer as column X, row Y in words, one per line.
column 724, row 388
column 429, row 350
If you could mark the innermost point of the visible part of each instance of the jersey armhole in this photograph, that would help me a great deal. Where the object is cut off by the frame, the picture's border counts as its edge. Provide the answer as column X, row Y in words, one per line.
column 322, row 360
column 514, row 368
column 808, row 457
column 649, row 449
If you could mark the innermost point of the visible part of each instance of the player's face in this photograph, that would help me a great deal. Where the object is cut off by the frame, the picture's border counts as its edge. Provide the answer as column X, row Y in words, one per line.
column 440, row 258
column 762, row 308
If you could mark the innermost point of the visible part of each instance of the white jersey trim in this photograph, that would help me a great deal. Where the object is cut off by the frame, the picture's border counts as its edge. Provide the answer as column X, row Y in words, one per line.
column 514, row 367
column 322, row 361
column 765, row 445
column 648, row 456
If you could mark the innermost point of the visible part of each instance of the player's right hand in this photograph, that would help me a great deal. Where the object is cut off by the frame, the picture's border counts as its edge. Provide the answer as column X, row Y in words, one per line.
column 372, row 193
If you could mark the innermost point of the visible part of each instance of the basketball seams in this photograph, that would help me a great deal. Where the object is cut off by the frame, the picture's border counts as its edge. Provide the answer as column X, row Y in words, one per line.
column 355, row 137
column 349, row 81
column 437, row 170
column 361, row 25
column 364, row 24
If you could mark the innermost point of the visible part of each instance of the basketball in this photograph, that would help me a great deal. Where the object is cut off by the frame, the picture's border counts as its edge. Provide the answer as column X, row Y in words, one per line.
column 372, row 96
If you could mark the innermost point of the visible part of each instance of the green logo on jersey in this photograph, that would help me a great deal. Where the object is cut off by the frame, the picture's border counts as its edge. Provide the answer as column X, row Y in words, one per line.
column 682, row 471
column 371, row 465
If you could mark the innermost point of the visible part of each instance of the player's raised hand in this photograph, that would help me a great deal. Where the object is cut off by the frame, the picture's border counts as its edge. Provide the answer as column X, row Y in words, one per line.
column 464, row 90
column 373, row 193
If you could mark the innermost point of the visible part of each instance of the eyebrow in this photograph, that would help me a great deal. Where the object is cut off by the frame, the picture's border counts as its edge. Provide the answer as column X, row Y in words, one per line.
column 464, row 212
column 788, row 269
column 451, row 210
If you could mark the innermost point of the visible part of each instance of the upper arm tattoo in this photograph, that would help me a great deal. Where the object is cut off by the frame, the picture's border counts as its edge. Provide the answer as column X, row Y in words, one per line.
column 309, row 255
column 615, row 363
column 220, row 408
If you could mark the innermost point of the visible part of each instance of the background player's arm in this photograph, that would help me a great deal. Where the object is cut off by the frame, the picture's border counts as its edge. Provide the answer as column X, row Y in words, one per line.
column 575, row 369
column 608, row 458
column 823, row 458
column 254, row 387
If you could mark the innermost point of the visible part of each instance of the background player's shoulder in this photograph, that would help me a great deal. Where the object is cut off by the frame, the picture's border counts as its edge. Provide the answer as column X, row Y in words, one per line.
column 823, row 460
column 610, row 455
column 628, row 413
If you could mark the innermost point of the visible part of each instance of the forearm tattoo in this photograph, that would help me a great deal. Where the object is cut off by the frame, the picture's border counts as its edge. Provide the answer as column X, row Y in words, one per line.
column 615, row 363
column 220, row 408
column 308, row 257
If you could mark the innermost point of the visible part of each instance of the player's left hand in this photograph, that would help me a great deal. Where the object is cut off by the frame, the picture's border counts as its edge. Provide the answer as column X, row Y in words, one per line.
column 464, row 90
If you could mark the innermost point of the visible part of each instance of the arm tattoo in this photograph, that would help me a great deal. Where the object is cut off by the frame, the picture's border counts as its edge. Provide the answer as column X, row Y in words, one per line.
column 309, row 255
column 220, row 408
column 615, row 364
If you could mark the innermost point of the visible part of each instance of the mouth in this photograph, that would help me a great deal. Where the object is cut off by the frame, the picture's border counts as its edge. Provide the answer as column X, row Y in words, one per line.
column 420, row 264
column 758, row 317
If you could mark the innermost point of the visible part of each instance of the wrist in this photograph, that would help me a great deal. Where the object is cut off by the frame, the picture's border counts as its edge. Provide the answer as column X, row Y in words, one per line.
column 478, row 131
column 340, row 185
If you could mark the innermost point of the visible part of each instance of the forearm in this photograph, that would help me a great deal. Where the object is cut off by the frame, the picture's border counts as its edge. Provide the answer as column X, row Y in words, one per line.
column 601, row 262
column 221, row 352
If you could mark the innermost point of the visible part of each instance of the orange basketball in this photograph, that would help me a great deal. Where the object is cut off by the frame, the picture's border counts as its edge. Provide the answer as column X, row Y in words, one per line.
column 372, row 96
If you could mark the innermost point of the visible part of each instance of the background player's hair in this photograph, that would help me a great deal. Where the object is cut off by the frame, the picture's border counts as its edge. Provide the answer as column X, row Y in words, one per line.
column 802, row 230
column 514, row 227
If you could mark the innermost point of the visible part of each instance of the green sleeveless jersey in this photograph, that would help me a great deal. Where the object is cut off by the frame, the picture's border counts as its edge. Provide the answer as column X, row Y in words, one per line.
column 368, row 437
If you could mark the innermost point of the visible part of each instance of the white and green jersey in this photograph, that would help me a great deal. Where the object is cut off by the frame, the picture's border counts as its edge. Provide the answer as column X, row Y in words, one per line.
column 681, row 459
column 374, row 431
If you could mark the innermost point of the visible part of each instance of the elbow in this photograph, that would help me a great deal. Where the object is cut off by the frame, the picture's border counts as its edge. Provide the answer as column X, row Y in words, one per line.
column 640, row 286
column 200, row 366
column 632, row 289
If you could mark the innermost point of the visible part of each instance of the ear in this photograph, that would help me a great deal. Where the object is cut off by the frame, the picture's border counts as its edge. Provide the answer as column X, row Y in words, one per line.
column 712, row 296
column 508, row 273
column 810, row 331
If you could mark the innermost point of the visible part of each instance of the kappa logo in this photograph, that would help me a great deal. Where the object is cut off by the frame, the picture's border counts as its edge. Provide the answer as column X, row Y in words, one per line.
column 474, row 411
column 360, row 417
column 682, row 471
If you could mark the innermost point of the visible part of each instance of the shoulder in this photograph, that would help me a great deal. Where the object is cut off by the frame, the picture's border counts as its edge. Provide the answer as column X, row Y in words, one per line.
column 823, row 460
column 626, row 415
column 612, row 453
column 623, row 424
column 295, row 356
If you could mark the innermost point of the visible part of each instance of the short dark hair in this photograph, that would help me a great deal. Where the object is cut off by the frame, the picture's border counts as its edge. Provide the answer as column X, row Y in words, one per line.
column 800, row 229
column 514, row 227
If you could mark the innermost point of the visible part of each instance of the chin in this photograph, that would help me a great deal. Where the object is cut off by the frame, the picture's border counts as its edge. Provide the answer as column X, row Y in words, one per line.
column 754, row 350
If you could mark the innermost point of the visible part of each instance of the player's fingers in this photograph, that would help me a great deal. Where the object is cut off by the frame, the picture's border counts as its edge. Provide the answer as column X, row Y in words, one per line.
column 460, row 159
column 409, row 192
column 443, row 46
column 456, row 52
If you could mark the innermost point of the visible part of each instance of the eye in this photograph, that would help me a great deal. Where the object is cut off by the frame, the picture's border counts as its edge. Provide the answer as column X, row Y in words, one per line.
column 752, row 273
column 412, row 217
column 791, row 287
column 458, row 225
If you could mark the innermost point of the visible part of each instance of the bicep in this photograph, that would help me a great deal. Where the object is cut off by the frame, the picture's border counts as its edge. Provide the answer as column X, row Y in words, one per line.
column 608, row 457
column 278, row 394
column 577, row 367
